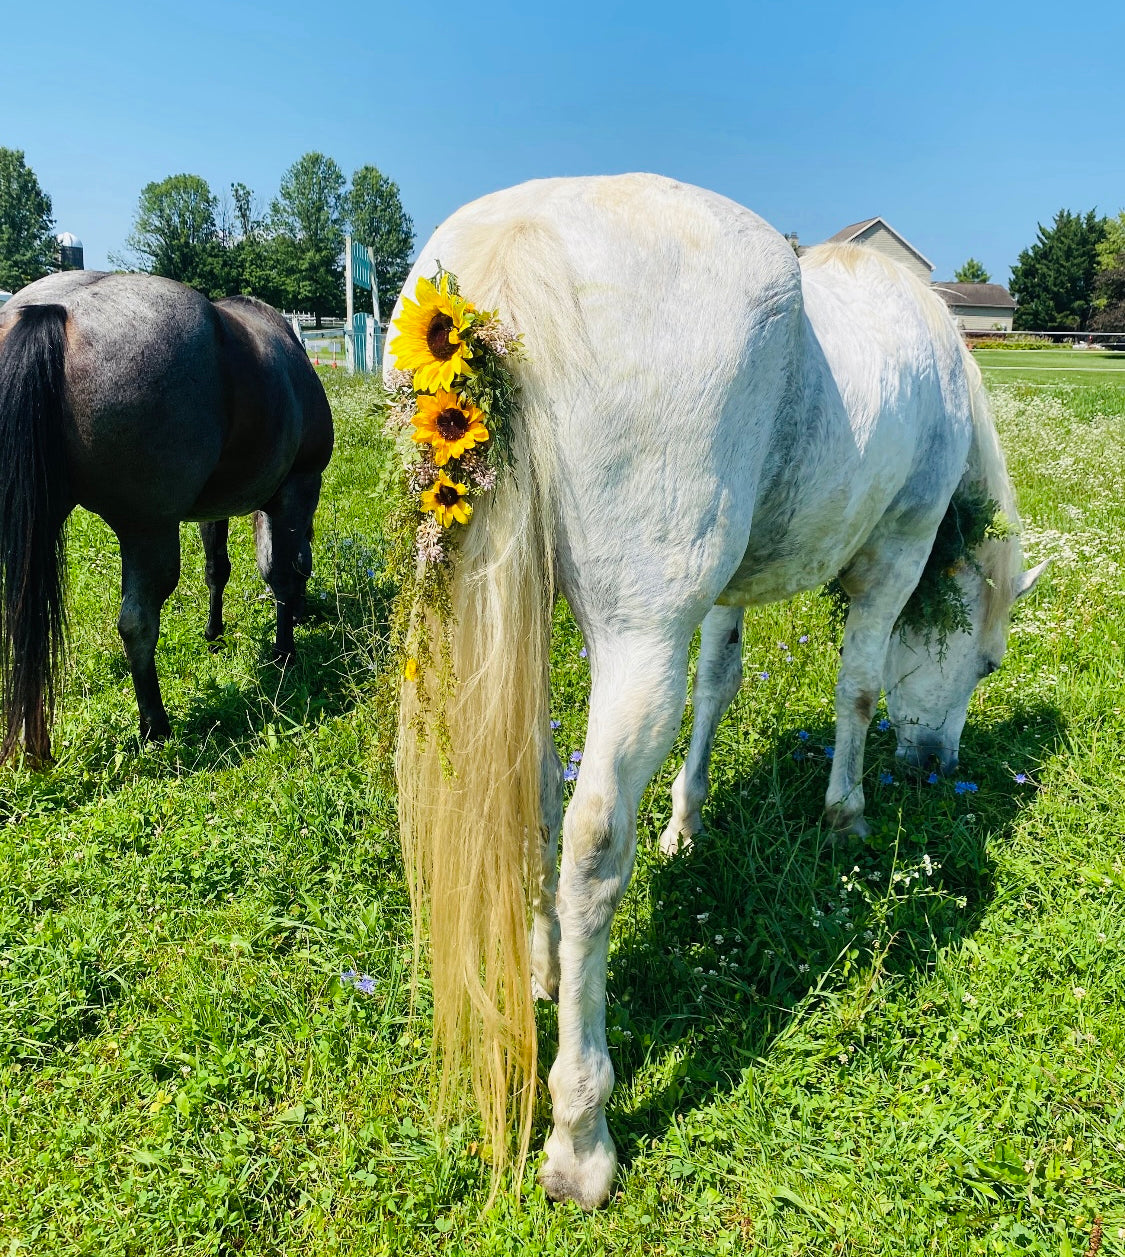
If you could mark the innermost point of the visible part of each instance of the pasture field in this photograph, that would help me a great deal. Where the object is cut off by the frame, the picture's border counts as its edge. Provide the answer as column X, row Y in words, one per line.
column 903, row 1045
column 1051, row 365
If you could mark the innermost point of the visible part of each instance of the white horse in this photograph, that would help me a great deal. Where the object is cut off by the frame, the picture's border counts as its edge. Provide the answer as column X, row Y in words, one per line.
column 706, row 424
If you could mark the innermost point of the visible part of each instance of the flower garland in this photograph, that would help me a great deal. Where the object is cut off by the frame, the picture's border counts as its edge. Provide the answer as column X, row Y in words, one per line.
column 452, row 392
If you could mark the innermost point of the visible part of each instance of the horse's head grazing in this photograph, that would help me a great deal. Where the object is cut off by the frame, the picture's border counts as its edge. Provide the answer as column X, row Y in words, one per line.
column 928, row 685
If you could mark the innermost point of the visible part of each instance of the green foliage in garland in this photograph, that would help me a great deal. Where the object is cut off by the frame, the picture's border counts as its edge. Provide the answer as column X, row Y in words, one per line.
column 936, row 608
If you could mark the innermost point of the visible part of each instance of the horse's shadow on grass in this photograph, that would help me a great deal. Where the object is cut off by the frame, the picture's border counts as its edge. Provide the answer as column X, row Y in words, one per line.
column 753, row 926
column 219, row 725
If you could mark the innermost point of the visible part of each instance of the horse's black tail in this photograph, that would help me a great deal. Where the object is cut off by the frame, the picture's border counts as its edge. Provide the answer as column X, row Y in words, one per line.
column 34, row 505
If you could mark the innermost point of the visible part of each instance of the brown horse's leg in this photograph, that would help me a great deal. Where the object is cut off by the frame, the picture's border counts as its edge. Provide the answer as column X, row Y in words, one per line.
column 150, row 568
column 217, row 569
column 283, row 533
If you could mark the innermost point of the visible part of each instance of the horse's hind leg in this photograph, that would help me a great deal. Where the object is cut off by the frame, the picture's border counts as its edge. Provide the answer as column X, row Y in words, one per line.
column 638, row 694
column 150, row 568
column 718, row 674
column 283, row 535
column 217, row 571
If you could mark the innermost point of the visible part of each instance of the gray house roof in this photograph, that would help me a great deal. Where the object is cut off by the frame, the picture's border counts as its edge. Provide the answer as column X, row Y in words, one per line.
column 992, row 295
column 847, row 234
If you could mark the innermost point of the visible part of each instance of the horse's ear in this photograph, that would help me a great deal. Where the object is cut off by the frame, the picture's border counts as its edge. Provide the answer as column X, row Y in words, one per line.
column 1026, row 581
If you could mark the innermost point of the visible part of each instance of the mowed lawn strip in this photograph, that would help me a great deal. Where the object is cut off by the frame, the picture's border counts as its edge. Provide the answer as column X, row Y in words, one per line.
column 909, row 1044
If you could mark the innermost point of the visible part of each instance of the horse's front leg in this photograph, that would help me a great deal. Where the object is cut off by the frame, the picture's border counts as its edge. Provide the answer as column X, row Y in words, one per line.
column 150, row 568
column 283, row 539
column 879, row 596
column 216, row 566
column 718, row 674
column 545, row 920
column 637, row 698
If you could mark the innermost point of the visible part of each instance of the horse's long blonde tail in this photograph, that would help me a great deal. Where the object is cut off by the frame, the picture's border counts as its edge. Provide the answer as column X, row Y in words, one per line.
column 469, row 836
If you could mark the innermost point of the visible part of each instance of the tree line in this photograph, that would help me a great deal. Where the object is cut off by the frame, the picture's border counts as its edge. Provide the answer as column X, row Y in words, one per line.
column 289, row 253
column 1071, row 279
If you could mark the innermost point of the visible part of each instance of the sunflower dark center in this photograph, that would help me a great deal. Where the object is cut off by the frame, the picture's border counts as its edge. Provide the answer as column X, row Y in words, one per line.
column 447, row 495
column 437, row 337
column 452, row 424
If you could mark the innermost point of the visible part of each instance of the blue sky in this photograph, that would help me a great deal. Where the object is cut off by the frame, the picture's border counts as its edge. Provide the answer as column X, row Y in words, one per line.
column 963, row 126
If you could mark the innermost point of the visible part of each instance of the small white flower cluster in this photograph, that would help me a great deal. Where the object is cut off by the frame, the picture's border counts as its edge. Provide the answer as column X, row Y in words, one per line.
column 429, row 540
column 495, row 336
column 481, row 476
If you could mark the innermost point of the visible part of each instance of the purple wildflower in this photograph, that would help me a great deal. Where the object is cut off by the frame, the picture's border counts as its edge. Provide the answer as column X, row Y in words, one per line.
column 1021, row 779
column 576, row 757
column 932, row 779
column 798, row 755
column 886, row 779
column 556, row 724
column 763, row 676
column 582, row 653
column 803, row 734
column 803, row 638
column 349, row 975
column 570, row 773
column 829, row 752
column 965, row 787
column 366, row 984
column 782, row 646
column 883, row 725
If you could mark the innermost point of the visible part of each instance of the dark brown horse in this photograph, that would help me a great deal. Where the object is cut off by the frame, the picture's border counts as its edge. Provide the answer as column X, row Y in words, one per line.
column 142, row 401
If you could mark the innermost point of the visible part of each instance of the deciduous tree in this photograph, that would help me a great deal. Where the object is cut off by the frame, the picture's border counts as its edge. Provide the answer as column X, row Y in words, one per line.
column 175, row 234
column 1053, row 280
column 27, row 240
column 308, row 219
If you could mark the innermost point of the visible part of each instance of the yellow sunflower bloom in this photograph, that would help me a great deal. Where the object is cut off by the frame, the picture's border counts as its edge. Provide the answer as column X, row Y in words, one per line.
column 447, row 500
column 450, row 424
column 431, row 336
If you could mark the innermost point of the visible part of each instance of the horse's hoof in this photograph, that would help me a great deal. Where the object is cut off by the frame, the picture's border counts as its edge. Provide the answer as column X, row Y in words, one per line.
column 587, row 1181
column 844, row 821
column 675, row 841
column 544, row 993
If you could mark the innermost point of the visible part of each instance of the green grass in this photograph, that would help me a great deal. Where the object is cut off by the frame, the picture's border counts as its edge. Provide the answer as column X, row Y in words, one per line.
column 1050, row 365
column 910, row 1044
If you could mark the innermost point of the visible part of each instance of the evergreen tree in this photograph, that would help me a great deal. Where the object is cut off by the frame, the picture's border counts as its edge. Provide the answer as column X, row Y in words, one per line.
column 972, row 272
column 1053, row 280
column 27, row 239
column 379, row 221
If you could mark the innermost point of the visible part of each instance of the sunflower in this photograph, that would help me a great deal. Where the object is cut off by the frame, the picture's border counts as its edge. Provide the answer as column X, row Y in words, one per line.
column 450, row 424
column 431, row 336
column 447, row 501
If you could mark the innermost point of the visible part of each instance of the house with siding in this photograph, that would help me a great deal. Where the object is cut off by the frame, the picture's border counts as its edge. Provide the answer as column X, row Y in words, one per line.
column 978, row 307
column 975, row 307
column 878, row 234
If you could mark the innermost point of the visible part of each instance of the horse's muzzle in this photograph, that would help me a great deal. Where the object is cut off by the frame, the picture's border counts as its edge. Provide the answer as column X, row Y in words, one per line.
column 928, row 757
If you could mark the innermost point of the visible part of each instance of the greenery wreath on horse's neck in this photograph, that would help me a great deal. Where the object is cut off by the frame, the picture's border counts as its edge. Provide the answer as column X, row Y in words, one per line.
column 936, row 609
